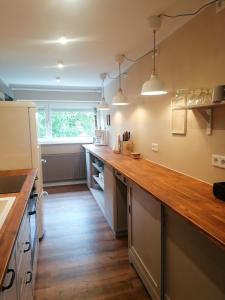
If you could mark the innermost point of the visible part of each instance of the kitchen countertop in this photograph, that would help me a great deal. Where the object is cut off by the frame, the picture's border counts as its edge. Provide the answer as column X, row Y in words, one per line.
column 188, row 197
column 10, row 228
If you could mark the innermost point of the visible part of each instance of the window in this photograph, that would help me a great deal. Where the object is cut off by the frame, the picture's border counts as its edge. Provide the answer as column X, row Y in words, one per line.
column 65, row 124
column 42, row 124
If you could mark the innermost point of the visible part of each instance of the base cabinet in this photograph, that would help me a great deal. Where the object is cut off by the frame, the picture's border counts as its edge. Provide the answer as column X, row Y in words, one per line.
column 145, row 238
column 88, row 168
column 9, row 291
column 194, row 265
column 109, row 196
column 18, row 282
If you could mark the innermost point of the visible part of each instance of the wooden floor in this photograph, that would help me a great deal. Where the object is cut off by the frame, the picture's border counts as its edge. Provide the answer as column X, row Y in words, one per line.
column 79, row 257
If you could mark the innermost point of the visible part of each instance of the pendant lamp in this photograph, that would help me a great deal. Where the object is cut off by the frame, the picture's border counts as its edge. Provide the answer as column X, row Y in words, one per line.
column 154, row 86
column 119, row 98
column 103, row 104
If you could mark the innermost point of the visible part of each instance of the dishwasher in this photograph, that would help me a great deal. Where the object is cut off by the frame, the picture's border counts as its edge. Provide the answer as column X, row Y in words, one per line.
column 121, row 204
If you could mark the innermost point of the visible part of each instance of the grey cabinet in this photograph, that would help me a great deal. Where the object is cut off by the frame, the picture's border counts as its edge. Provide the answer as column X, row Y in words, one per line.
column 23, row 261
column 194, row 265
column 145, row 238
column 109, row 196
column 19, row 278
column 88, row 168
column 9, row 291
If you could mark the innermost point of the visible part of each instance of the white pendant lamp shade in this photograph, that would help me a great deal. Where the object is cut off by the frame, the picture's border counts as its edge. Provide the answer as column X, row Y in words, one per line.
column 153, row 87
column 103, row 105
column 120, row 98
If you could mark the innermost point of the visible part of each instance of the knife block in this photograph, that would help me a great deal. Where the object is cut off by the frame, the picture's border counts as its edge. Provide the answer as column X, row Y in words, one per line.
column 127, row 147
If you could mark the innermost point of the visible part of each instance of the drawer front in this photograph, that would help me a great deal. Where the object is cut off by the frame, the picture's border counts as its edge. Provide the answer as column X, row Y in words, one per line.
column 25, row 277
column 23, row 240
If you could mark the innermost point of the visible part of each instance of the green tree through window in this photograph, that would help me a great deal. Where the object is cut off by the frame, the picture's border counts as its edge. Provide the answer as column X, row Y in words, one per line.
column 72, row 124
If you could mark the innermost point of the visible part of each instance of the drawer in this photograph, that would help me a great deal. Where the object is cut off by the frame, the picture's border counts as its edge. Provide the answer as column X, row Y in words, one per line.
column 24, row 277
column 23, row 240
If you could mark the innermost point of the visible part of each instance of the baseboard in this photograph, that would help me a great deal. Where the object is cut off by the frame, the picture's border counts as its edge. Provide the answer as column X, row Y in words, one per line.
column 61, row 183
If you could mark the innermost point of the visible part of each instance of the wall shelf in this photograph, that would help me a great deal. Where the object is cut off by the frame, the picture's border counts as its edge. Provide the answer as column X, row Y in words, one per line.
column 201, row 106
column 205, row 110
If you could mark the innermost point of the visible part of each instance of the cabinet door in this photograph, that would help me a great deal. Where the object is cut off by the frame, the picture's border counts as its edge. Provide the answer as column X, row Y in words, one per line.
column 23, row 260
column 195, row 266
column 25, row 278
column 88, row 168
column 109, row 192
column 145, row 238
column 9, row 286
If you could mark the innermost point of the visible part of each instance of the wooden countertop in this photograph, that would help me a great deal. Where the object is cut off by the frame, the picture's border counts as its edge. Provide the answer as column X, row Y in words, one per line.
column 190, row 198
column 10, row 228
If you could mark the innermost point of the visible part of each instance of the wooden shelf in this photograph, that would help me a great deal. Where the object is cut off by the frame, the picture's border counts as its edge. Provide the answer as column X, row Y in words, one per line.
column 205, row 106
column 99, row 182
column 97, row 167
column 205, row 110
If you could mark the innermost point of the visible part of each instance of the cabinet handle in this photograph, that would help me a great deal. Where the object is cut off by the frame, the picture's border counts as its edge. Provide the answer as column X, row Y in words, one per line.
column 30, row 279
column 34, row 195
column 11, row 280
column 32, row 212
column 29, row 246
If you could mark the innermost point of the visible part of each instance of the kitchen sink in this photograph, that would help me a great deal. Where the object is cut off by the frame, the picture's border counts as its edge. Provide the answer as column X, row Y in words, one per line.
column 11, row 184
column 6, row 204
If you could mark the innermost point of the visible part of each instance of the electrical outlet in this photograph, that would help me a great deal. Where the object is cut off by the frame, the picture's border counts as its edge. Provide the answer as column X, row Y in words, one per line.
column 155, row 147
column 220, row 5
column 218, row 161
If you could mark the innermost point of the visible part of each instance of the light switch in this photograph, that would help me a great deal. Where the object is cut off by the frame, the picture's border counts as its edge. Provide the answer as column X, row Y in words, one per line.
column 155, row 147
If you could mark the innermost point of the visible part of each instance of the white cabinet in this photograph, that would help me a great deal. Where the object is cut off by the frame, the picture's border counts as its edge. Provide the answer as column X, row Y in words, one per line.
column 145, row 238
column 194, row 265
column 9, row 290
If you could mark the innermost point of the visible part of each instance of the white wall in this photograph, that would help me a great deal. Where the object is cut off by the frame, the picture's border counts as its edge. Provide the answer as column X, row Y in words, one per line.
column 192, row 57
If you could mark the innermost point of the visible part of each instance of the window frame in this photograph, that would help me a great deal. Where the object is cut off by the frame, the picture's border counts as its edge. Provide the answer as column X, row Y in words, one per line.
column 48, row 108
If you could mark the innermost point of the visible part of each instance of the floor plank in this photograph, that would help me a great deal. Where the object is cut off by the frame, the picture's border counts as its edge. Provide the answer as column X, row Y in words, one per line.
column 79, row 258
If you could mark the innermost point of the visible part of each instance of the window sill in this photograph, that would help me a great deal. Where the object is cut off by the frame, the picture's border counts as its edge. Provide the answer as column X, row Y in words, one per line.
column 66, row 141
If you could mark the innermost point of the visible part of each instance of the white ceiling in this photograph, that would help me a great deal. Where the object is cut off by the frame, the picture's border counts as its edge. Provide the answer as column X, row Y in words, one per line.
column 100, row 29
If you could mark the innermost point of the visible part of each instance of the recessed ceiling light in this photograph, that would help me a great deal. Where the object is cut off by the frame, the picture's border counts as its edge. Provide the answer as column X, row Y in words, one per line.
column 58, row 79
column 63, row 40
column 60, row 64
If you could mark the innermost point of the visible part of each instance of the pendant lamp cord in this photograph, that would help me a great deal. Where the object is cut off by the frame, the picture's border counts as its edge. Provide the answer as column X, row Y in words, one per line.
column 103, row 89
column 154, row 50
column 175, row 16
column 119, row 76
